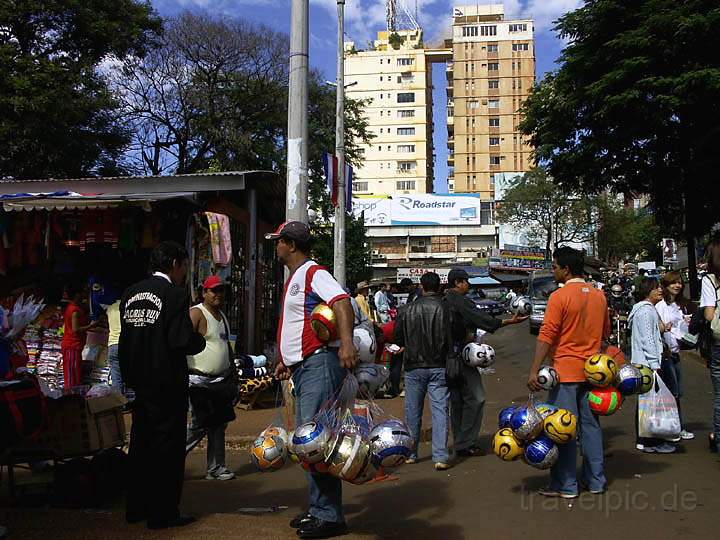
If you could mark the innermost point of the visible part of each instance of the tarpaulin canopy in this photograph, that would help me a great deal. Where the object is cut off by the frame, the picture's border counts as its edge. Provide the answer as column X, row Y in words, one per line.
column 69, row 200
column 485, row 280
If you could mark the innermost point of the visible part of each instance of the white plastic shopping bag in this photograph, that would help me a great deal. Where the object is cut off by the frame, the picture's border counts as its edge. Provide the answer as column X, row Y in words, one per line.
column 658, row 415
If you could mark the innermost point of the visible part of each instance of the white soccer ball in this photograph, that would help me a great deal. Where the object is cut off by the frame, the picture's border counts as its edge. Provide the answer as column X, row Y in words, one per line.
column 365, row 344
column 548, row 377
column 475, row 355
column 310, row 441
column 521, row 305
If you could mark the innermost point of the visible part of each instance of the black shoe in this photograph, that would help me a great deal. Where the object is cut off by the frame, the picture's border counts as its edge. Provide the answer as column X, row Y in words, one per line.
column 317, row 528
column 470, row 452
column 713, row 443
column 179, row 521
column 298, row 521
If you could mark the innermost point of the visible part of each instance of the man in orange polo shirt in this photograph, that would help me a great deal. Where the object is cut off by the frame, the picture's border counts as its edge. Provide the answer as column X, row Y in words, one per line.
column 576, row 321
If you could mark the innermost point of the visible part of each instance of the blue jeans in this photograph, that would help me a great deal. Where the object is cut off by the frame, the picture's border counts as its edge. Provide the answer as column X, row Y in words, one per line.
column 315, row 381
column 418, row 383
column 563, row 476
column 715, row 377
column 116, row 381
column 671, row 374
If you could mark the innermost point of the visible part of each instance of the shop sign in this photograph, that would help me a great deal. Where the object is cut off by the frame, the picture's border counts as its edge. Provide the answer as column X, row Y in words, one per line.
column 529, row 260
column 416, row 273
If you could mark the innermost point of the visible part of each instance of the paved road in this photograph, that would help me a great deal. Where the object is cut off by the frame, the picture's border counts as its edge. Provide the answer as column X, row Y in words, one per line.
column 650, row 495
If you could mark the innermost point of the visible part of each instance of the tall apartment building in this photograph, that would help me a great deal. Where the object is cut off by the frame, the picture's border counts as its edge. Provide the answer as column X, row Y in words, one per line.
column 492, row 72
column 396, row 78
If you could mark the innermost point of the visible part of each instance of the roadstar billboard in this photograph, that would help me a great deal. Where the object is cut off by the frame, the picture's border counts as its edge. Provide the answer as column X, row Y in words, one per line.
column 449, row 209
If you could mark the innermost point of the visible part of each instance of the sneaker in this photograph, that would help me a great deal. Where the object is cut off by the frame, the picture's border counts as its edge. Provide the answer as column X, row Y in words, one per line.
column 220, row 474
column 402, row 394
column 470, row 452
column 640, row 446
column 442, row 466
column 663, row 448
column 547, row 492
column 674, row 439
column 686, row 435
column 411, row 461
column 317, row 528
column 713, row 443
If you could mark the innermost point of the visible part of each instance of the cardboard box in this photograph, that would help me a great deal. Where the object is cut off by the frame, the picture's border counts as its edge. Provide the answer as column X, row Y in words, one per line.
column 79, row 426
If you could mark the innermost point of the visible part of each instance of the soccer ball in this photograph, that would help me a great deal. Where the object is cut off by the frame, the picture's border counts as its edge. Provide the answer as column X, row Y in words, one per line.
column 371, row 377
column 391, row 444
column 541, row 453
column 648, row 378
column 310, row 442
column 351, row 459
column 561, row 426
column 475, row 355
column 268, row 453
column 545, row 409
column 277, row 431
column 605, row 401
column 521, row 305
column 600, row 370
column 504, row 417
column 324, row 323
column 629, row 380
column 365, row 344
column 547, row 377
column 506, row 446
column 526, row 423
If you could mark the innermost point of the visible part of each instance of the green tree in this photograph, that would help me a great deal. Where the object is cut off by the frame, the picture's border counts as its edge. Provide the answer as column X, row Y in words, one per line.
column 534, row 203
column 625, row 233
column 635, row 108
column 57, row 117
column 322, row 139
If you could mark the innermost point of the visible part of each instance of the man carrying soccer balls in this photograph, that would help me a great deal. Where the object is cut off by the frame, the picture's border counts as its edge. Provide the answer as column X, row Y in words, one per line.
column 576, row 320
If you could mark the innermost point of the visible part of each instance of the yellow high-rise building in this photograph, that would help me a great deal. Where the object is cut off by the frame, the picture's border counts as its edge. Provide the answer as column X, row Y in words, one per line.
column 395, row 76
column 492, row 73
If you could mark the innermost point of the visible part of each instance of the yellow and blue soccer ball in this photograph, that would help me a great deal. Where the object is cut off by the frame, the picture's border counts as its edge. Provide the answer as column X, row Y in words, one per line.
column 506, row 446
column 561, row 426
column 648, row 378
column 600, row 370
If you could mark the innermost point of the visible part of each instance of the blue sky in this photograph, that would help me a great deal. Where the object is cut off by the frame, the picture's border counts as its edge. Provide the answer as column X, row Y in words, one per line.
column 365, row 17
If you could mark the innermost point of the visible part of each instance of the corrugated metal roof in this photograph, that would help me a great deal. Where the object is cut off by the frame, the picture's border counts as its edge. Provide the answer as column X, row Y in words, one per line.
column 168, row 178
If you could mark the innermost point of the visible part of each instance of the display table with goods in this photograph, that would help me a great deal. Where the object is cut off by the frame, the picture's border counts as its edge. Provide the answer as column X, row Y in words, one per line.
column 38, row 420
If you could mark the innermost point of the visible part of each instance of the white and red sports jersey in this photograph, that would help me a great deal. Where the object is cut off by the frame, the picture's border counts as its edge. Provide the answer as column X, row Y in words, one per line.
column 310, row 285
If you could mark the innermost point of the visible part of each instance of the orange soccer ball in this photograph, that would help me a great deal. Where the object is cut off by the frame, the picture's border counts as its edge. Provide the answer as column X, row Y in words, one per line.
column 324, row 323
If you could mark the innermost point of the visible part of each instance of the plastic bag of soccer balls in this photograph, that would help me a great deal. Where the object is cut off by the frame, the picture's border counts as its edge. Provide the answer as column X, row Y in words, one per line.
column 345, row 440
column 533, row 432
column 613, row 383
column 271, row 449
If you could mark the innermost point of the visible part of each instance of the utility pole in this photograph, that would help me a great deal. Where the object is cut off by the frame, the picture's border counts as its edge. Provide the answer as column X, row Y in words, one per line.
column 339, row 244
column 297, row 144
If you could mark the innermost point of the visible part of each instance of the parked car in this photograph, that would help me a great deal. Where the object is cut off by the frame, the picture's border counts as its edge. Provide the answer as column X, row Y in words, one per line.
column 491, row 307
column 541, row 286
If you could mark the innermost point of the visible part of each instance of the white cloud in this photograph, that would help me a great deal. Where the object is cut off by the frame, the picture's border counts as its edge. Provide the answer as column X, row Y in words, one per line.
column 543, row 12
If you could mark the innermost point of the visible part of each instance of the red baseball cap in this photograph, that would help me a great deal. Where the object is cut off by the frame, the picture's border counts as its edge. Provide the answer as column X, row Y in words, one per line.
column 213, row 282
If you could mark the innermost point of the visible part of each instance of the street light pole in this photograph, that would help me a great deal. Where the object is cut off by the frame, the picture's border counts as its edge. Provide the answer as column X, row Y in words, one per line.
column 339, row 244
column 297, row 145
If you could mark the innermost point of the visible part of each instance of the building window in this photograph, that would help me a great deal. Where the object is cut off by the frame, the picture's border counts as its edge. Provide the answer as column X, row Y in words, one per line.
column 381, row 96
column 406, row 131
column 493, row 66
column 494, row 121
column 360, row 186
column 494, row 83
column 492, row 47
column 488, row 30
column 406, row 97
column 379, row 148
column 493, row 103
column 494, row 160
column 473, row 104
column 405, row 61
column 406, row 78
column 470, row 31
column 486, row 213
column 521, row 47
column 406, row 185
column 407, row 166
column 381, row 130
column 381, row 113
column 518, row 27
column 406, row 113
column 494, row 141
column 492, row 179
column 405, row 148
column 389, row 147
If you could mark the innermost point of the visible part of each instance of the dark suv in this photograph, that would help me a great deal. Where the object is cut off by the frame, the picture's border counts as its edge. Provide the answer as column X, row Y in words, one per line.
column 541, row 286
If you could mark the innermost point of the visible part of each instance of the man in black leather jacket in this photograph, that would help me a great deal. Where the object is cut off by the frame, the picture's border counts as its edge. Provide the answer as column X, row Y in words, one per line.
column 423, row 328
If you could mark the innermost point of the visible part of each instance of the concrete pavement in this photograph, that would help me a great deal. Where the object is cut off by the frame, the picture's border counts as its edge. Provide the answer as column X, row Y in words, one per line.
column 656, row 496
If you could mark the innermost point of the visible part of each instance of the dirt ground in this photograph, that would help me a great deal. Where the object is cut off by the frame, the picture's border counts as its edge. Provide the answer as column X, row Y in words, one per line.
column 656, row 496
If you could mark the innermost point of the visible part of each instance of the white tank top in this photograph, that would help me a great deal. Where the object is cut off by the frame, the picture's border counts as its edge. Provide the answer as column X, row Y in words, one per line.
column 215, row 358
